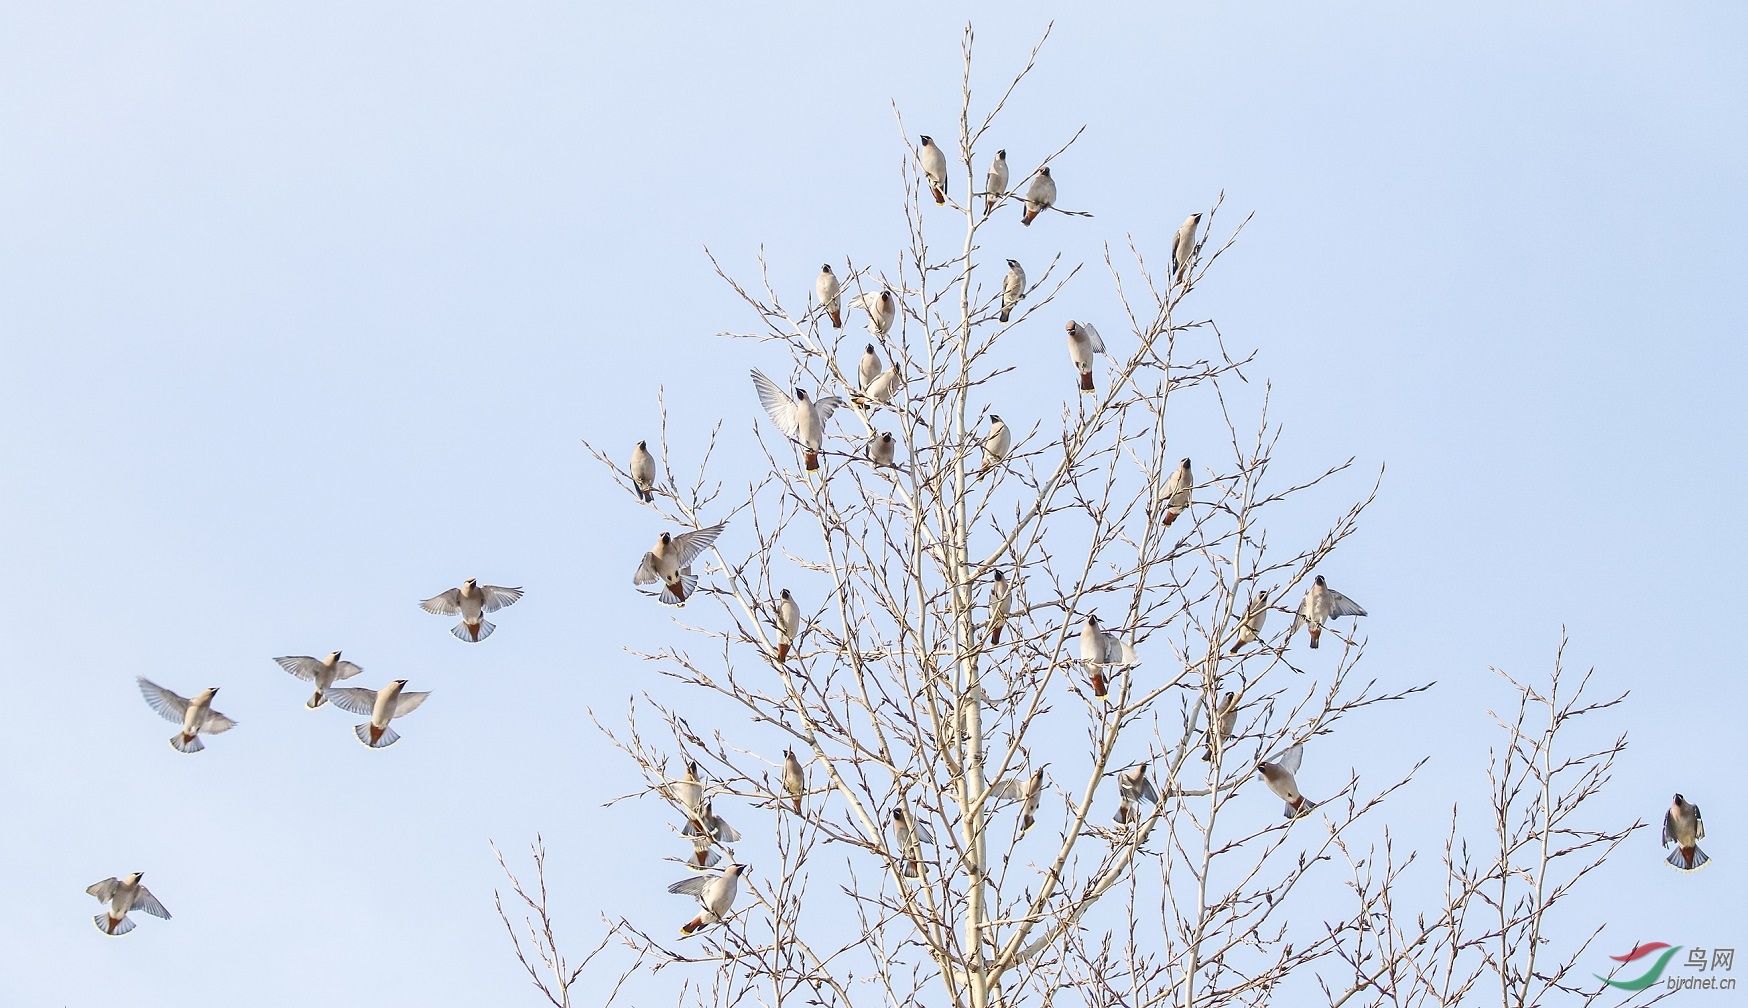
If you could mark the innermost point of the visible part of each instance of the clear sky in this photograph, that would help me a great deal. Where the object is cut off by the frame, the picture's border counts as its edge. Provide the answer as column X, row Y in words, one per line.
column 305, row 308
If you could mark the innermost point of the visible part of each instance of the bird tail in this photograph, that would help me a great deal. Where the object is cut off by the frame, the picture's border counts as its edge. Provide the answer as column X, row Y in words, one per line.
column 1029, row 216
column 186, row 743
column 940, row 197
column 1300, row 808
column 1098, row 683
column 782, row 652
column 1124, row 812
column 1237, row 646
column 1208, row 755
column 988, row 205
column 995, row 634
column 837, row 318
column 1688, row 858
column 1171, row 516
column 1004, row 315
column 376, row 738
column 316, row 701
column 110, row 926
column 647, row 495
column 685, row 585
column 1316, row 635
column 811, row 460
column 473, row 635
column 1086, row 382
column 1026, row 824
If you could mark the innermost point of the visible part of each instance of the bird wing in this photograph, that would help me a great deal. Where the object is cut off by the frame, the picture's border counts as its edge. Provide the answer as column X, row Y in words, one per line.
column 1668, row 834
column 106, row 888
column 145, row 902
column 409, row 702
column 446, row 604
column 824, row 408
column 693, row 886
column 646, row 571
column 1147, row 790
column 922, row 832
column 1093, row 342
column 497, row 597
column 1699, row 825
column 1290, row 758
column 1341, row 605
column 722, row 831
column 687, row 547
column 1008, row 790
column 777, row 403
column 169, row 706
column 303, row 667
column 346, row 670
column 216, row 723
column 354, row 700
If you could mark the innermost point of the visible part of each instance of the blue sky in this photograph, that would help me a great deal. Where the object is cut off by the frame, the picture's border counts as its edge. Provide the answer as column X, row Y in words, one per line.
column 306, row 308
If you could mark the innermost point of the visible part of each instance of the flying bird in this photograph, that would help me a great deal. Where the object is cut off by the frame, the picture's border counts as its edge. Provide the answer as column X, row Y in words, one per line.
column 643, row 472
column 670, row 562
column 831, row 295
column 1133, row 788
column 1083, row 344
column 868, row 368
column 801, row 419
column 715, row 892
column 1028, row 792
column 321, row 671
column 996, row 443
column 1322, row 604
column 788, row 624
column 882, row 450
column 1040, row 195
column 195, row 714
column 882, row 309
column 995, row 184
column 1013, row 288
column 1001, row 605
column 1683, row 825
column 1220, row 726
column 708, row 824
column 1278, row 773
column 905, row 835
column 380, row 706
column 1177, row 491
column 794, row 778
column 1101, row 651
column 469, row 602
column 1250, row 628
column 934, row 165
column 121, row 896
column 1183, row 246
column 704, row 856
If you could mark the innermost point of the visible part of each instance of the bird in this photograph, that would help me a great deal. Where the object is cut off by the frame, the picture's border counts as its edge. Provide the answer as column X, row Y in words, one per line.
column 868, row 368
column 884, row 386
column 380, row 706
column 1250, row 628
column 1278, row 773
column 1683, row 825
column 469, row 602
column 704, row 856
column 1040, row 195
column 670, row 562
column 1177, row 491
column 831, row 295
column 1028, row 792
column 882, row 309
column 1322, row 604
column 1221, row 724
column 996, row 443
column 1101, row 651
column 195, row 715
column 995, row 184
column 1183, row 246
column 794, row 779
column 882, row 449
column 715, row 892
column 123, row 895
column 800, row 419
column 643, row 472
column 688, row 793
column 1013, row 288
column 906, row 835
column 1083, row 344
column 1133, row 788
column 1001, row 605
column 788, row 624
column 934, row 165
column 708, row 824
column 324, row 672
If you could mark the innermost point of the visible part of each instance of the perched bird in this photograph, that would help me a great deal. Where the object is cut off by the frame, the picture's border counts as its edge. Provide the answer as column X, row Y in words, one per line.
column 995, row 184
column 1220, row 725
column 123, row 895
column 1177, row 491
column 688, row 793
column 380, row 706
column 1013, row 288
column 195, row 715
column 643, row 472
column 1028, row 792
column 882, row 309
column 905, row 835
column 868, row 368
column 794, row 779
column 1133, row 788
column 1250, row 628
column 883, row 449
column 831, row 295
column 934, row 164
column 321, row 671
column 1278, row 774
column 996, row 443
column 788, row 624
column 1001, row 605
column 1083, row 344
column 1101, row 652
column 800, row 419
column 670, row 562
column 1183, row 246
column 715, row 892
column 1040, row 195
column 468, row 602
column 1322, row 604
column 1683, row 825
column 884, row 386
